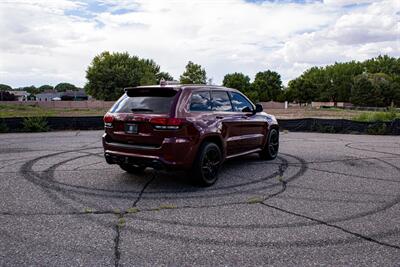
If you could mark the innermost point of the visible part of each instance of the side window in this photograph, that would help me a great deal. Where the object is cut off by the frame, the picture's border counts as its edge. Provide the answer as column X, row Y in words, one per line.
column 239, row 102
column 200, row 101
column 221, row 101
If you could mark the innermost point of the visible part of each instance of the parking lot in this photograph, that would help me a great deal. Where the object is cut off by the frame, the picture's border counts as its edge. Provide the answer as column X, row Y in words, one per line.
column 328, row 199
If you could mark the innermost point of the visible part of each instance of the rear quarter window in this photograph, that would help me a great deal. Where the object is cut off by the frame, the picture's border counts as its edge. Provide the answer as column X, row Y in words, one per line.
column 200, row 101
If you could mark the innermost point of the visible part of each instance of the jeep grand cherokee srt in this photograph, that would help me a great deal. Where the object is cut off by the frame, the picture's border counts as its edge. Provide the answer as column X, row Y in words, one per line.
column 186, row 127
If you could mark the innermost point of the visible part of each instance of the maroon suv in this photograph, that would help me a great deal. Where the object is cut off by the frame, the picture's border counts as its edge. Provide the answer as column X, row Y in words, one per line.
column 186, row 127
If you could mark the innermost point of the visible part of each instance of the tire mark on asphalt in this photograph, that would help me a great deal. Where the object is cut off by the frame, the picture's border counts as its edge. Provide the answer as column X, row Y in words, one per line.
column 355, row 175
column 349, row 145
column 318, row 221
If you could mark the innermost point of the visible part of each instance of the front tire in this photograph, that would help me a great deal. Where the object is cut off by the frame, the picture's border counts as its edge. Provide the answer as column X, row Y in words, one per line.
column 271, row 149
column 206, row 166
column 134, row 169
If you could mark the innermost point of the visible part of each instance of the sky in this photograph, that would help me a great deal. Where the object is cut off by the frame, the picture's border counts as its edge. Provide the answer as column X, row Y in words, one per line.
column 53, row 41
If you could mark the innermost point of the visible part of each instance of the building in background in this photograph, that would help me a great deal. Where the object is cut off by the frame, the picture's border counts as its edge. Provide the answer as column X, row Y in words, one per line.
column 64, row 96
column 20, row 95
column 48, row 96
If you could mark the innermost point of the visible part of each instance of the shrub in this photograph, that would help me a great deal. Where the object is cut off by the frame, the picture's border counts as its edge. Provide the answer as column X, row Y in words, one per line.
column 316, row 127
column 35, row 124
column 377, row 129
column 389, row 115
column 3, row 127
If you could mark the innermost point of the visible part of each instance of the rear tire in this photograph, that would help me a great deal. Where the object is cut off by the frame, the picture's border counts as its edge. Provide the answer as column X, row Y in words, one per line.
column 134, row 169
column 271, row 149
column 206, row 165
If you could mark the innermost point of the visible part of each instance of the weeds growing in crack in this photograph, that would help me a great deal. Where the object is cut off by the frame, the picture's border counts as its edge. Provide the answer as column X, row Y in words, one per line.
column 167, row 206
column 254, row 200
column 121, row 222
column 132, row 210
column 88, row 210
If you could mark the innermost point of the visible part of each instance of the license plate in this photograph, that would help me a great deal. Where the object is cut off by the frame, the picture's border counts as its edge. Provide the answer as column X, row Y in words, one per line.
column 131, row 128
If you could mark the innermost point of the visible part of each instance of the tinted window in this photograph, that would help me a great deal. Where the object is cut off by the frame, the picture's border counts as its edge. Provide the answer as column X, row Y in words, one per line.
column 200, row 101
column 142, row 103
column 239, row 102
column 221, row 101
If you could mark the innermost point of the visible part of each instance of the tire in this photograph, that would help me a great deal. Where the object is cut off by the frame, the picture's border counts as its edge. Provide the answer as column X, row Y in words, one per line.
column 134, row 169
column 207, row 163
column 271, row 149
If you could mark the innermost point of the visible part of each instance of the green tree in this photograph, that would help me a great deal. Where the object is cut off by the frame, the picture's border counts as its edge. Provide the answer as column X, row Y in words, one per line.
column 63, row 87
column 268, row 84
column 337, row 82
column 375, row 89
column 45, row 87
column 193, row 74
column 163, row 75
column 109, row 73
column 5, row 87
column 31, row 89
column 302, row 90
column 237, row 81
column 362, row 91
column 383, row 64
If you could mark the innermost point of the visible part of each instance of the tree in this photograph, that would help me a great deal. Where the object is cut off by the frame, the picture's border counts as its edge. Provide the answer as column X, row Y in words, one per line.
column 337, row 82
column 302, row 90
column 193, row 74
column 165, row 76
column 109, row 73
column 362, row 91
column 5, row 87
column 377, row 90
column 237, row 81
column 63, row 87
column 268, row 84
column 45, row 88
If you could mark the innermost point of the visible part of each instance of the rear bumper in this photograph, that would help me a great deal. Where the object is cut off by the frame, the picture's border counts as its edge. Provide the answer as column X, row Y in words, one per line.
column 174, row 153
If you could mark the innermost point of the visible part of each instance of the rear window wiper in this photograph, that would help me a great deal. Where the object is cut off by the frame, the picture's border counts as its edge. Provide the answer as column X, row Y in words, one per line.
column 141, row 109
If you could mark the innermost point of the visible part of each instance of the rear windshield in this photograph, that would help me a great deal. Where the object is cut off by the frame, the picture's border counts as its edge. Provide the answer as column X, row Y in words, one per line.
column 145, row 101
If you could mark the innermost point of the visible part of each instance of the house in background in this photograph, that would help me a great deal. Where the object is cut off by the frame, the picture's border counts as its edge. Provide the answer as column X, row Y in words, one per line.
column 47, row 96
column 20, row 95
column 74, row 96
column 64, row 96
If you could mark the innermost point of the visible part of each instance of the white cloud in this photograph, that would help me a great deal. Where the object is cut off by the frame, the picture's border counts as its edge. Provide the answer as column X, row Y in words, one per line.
column 52, row 41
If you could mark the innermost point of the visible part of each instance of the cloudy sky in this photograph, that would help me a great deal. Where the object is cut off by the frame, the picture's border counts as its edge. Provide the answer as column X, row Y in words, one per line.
column 52, row 41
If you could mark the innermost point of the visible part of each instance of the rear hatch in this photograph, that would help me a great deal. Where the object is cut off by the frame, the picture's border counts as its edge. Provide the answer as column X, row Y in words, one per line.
column 142, row 117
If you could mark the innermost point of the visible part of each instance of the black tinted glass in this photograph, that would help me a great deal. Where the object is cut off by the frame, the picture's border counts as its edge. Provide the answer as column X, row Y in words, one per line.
column 200, row 101
column 239, row 102
column 153, row 103
column 221, row 101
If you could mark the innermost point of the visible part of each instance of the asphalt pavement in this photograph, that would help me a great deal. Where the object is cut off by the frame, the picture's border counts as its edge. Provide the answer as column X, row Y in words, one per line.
column 328, row 199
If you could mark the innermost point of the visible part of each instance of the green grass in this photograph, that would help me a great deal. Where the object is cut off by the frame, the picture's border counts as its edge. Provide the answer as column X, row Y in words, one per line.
column 378, row 116
column 11, row 110
column 16, row 110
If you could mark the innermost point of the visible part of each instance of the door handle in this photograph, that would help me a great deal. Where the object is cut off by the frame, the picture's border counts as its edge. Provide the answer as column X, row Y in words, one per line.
column 219, row 117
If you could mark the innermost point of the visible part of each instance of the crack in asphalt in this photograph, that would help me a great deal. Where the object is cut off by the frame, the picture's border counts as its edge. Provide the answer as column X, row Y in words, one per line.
column 369, row 239
column 47, row 182
column 143, row 189
column 117, row 253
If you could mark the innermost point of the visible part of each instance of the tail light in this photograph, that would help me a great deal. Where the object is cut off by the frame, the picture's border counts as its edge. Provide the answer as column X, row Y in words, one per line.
column 108, row 120
column 167, row 123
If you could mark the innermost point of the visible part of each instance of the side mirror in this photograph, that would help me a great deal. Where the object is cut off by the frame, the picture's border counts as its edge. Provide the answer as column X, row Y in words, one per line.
column 259, row 108
column 247, row 109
